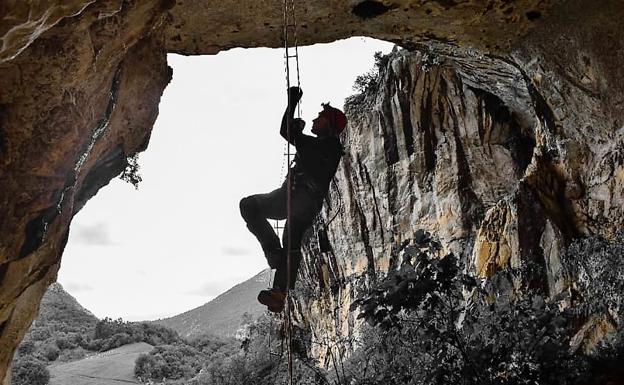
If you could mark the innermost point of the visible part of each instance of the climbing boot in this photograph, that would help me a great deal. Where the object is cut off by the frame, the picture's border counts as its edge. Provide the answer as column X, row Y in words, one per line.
column 274, row 257
column 274, row 299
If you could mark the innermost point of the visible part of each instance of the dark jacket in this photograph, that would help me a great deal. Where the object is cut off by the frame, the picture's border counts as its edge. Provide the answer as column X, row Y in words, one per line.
column 316, row 160
column 316, row 163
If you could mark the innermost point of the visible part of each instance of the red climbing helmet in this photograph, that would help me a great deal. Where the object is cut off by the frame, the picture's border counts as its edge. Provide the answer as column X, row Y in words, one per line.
column 336, row 118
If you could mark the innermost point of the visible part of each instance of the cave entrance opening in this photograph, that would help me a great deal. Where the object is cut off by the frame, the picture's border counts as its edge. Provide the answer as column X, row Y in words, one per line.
column 179, row 240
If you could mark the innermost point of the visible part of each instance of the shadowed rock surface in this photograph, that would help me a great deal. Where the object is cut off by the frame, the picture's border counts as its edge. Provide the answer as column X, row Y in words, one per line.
column 508, row 147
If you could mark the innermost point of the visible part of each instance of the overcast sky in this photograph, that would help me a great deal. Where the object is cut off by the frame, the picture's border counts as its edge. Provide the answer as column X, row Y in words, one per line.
column 178, row 241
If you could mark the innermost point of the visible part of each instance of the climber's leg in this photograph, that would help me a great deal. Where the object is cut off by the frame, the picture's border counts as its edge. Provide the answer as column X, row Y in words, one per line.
column 304, row 208
column 255, row 209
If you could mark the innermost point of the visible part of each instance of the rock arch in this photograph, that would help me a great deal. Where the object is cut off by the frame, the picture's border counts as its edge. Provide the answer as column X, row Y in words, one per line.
column 80, row 83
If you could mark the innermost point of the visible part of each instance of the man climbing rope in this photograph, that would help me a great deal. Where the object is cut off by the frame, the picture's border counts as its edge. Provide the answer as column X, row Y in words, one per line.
column 316, row 162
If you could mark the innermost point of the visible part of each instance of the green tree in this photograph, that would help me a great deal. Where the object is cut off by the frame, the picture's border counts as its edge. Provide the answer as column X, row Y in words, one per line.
column 29, row 371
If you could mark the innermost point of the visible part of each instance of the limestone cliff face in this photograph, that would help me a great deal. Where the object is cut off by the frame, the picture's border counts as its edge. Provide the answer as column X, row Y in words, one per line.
column 504, row 157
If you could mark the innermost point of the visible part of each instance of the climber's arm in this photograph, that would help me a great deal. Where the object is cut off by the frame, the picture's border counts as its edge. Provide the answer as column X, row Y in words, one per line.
column 296, row 125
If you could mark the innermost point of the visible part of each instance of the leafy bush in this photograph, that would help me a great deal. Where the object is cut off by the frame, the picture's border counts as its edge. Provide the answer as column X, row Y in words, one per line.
column 594, row 271
column 65, row 343
column 131, row 173
column 29, row 371
column 434, row 325
column 261, row 360
column 169, row 362
column 593, row 268
column 369, row 82
column 211, row 344
column 40, row 334
column 72, row 354
column 27, row 347
column 50, row 352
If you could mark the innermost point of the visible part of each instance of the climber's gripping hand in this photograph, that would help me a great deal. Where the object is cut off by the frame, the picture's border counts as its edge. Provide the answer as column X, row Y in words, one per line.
column 294, row 95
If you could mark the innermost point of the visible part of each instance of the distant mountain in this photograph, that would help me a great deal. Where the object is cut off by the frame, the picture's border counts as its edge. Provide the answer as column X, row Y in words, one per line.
column 222, row 316
column 59, row 311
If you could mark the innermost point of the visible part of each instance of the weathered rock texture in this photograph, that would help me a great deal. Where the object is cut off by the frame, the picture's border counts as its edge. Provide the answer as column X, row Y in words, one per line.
column 506, row 158
column 73, row 105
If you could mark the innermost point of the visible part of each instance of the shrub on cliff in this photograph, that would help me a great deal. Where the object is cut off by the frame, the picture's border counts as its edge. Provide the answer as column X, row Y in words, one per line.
column 433, row 325
column 367, row 83
column 594, row 271
column 131, row 173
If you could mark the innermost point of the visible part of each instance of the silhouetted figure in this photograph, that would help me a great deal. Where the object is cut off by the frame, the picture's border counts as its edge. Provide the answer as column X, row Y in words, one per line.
column 315, row 164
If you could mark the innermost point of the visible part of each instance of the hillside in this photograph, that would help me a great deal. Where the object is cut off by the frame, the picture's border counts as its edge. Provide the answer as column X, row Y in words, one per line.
column 111, row 367
column 68, row 344
column 61, row 310
column 223, row 315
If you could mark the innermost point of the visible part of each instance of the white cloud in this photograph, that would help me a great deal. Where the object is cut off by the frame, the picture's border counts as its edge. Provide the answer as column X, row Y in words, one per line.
column 235, row 251
column 96, row 234
column 75, row 287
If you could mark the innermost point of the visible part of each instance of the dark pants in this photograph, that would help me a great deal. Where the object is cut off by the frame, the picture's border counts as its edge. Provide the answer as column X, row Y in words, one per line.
column 256, row 209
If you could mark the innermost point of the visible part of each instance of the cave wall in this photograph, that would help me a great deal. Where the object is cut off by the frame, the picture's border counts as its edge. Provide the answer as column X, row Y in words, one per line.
column 80, row 82
column 73, row 105
column 505, row 158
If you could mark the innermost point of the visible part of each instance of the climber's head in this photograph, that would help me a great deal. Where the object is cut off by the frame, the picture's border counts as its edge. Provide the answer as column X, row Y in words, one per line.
column 330, row 122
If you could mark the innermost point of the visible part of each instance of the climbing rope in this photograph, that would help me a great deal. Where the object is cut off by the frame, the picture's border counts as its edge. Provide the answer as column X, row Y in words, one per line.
column 290, row 33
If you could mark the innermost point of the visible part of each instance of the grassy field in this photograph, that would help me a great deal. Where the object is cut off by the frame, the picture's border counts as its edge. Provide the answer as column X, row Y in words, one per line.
column 113, row 367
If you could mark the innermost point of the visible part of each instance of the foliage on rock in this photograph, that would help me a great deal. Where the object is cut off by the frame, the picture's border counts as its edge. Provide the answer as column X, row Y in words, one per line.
column 368, row 83
column 594, row 271
column 433, row 325
column 131, row 173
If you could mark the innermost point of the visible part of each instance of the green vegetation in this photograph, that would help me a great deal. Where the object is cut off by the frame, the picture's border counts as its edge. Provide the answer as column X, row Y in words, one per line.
column 49, row 342
column 427, row 322
column 131, row 173
column 170, row 362
column 29, row 371
column 64, row 331
column 110, row 334
column 260, row 359
column 367, row 84
column 432, row 325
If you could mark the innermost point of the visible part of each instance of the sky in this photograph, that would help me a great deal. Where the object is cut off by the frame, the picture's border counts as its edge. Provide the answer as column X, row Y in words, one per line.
column 179, row 241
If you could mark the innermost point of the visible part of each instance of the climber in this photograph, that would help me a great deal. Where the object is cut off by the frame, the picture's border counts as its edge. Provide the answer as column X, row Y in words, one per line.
column 315, row 164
